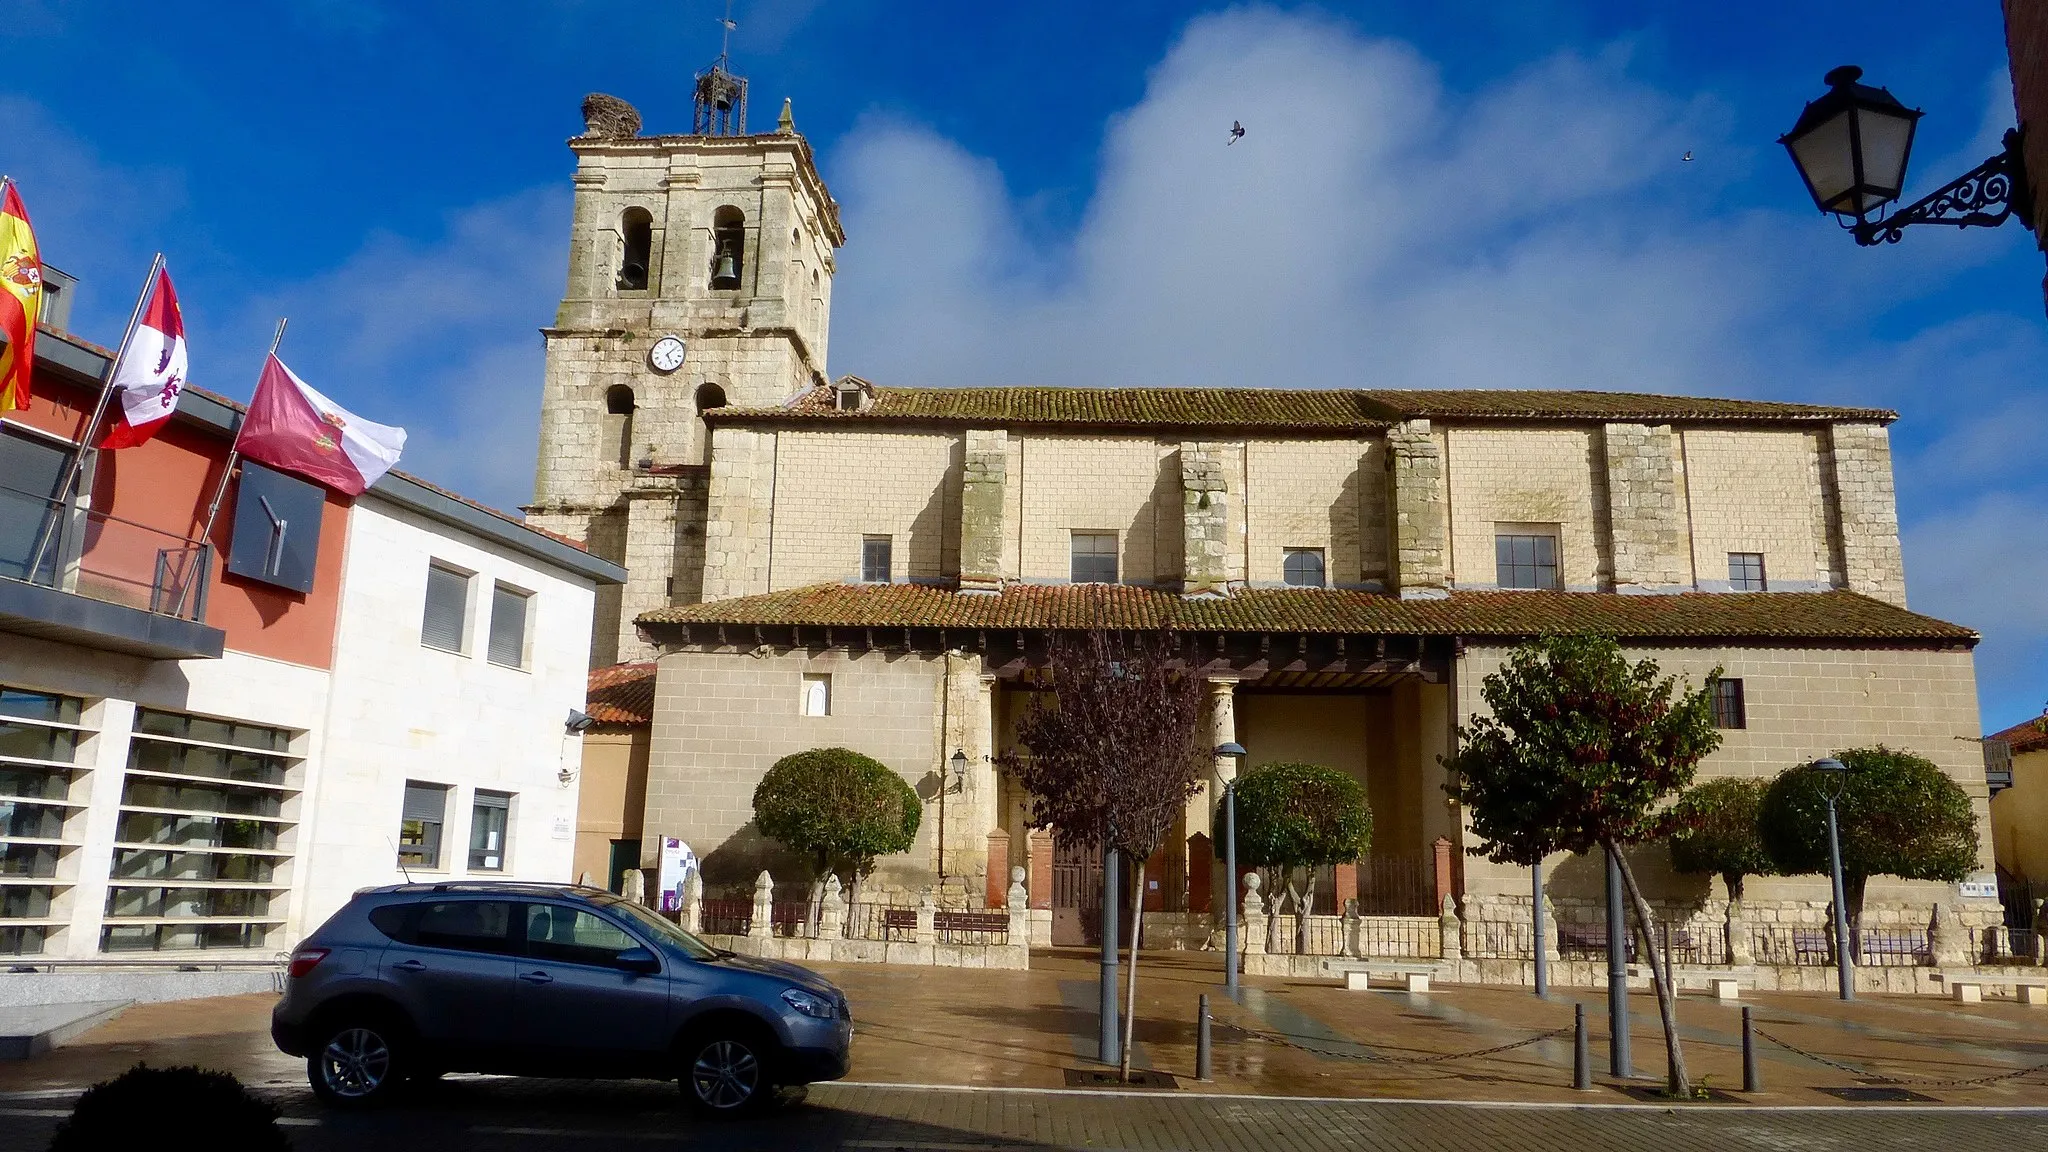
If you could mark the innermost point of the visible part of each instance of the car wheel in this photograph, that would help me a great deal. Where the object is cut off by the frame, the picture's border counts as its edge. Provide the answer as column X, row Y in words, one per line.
column 726, row 1073
column 359, row 1062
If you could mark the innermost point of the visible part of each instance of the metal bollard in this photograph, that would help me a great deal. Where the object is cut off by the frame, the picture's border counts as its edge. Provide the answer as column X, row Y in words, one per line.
column 1202, row 1056
column 1751, row 1080
column 1582, row 1054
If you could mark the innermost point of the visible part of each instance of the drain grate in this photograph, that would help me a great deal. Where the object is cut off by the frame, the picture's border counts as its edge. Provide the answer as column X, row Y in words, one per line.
column 1140, row 1078
column 1878, row 1095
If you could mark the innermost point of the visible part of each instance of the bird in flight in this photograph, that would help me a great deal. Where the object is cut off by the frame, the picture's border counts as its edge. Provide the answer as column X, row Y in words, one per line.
column 1687, row 158
column 1236, row 132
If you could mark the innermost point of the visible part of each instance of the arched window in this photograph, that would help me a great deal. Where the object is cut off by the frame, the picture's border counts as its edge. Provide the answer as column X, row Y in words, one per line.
column 728, row 247
column 710, row 396
column 636, row 228
column 618, row 424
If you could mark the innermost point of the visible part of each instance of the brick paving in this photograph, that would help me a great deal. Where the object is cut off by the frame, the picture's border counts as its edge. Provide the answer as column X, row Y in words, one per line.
column 949, row 1059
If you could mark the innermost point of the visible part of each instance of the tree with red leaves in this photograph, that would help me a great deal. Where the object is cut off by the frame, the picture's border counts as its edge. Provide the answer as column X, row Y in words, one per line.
column 1112, row 750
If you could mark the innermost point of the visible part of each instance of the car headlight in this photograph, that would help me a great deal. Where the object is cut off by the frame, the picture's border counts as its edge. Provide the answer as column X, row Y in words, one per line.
column 814, row 1006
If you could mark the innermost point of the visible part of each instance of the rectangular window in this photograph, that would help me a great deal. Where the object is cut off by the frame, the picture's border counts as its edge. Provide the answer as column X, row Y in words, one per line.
column 465, row 926
column 488, row 815
column 508, row 625
column 446, row 624
column 874, row 559
column 32, row 525
column 817, row 694
column 1728, row 710
column 1094, row 558
column 1303, row 568
column 205, row 804
column 1525, row 560
column 39, row 738
column 419, row 825
column 1746, row 571
column 573, row 936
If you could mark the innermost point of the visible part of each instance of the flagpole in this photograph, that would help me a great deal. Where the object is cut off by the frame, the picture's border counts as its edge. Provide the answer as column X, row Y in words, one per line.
column 234, row 453
column 99, row 407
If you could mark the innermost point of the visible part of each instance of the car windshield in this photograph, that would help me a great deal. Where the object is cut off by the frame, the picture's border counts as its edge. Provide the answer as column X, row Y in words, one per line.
column 667, row 929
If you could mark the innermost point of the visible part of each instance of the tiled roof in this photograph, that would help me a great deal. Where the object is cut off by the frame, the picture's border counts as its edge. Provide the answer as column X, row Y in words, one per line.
column 1824, row 616
column 1280, row 409
column 621, row 694
column 2025, row 736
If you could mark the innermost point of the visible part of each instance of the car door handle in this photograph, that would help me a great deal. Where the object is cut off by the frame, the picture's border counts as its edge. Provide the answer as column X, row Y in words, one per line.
column 536, row 978
column 408, row 966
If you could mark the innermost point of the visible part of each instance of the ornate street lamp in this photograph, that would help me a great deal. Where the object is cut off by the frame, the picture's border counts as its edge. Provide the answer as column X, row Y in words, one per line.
column 958, row 763
column 1234, row 751
column 1851, row 147
column 1834, row 780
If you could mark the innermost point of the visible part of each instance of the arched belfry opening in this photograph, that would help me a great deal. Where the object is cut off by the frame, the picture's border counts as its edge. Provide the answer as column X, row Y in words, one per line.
column 728, row 247
column 618, row 424
column 709, row 396
column 636, row 232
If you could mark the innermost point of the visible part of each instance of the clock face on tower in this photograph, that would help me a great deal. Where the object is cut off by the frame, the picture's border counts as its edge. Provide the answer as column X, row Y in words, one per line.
column 666, row 355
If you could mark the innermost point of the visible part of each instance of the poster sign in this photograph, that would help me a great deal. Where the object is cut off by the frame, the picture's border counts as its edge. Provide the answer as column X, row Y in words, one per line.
column 677, row 862
column 1982, row 886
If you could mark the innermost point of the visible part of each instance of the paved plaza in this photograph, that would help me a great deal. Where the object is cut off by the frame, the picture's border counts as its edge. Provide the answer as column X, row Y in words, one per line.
column 965, row 1059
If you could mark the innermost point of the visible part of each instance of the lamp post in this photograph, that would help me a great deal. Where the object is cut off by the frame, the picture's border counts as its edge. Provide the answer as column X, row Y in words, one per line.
column 1234, row 751
column 1851, row 147
column 1834, row 779
column 958, row 763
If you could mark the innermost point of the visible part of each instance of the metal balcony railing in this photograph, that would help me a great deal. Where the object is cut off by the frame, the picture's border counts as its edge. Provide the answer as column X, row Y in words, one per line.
column 73, row 548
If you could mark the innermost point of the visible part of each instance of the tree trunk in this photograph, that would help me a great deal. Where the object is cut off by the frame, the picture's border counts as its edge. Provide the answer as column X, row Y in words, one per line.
column 817, row 893
column 1273, row 903
column 1303, row 905
column 1131, row 982
column 1852, row 888
column 1677, row 1082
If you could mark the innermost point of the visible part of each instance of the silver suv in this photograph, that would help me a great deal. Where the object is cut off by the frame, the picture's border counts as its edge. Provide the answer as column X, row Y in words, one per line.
column 413, row 980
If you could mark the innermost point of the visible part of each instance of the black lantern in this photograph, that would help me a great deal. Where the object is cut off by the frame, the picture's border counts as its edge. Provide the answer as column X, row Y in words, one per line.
column 1851, row 145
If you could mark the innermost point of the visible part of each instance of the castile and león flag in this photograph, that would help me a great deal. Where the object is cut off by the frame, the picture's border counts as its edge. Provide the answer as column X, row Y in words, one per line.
column 150, row 374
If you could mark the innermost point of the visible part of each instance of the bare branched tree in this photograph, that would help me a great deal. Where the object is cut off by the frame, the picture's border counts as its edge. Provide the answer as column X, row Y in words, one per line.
column 1112, row 751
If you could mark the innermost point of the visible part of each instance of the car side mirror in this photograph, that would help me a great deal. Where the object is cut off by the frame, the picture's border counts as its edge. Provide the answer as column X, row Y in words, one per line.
column 637, row 960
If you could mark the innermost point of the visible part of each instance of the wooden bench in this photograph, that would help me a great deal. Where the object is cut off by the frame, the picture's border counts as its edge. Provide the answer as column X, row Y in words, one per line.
column 896, row 920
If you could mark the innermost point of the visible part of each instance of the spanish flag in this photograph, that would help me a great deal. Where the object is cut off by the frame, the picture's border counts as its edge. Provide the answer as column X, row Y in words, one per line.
column 21, row 299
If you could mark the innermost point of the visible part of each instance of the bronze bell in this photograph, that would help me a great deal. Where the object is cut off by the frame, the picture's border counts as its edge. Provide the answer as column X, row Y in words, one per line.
column 725, row 273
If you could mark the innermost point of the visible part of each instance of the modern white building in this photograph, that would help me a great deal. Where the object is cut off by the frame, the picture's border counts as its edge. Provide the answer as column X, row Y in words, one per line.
column 209, row 743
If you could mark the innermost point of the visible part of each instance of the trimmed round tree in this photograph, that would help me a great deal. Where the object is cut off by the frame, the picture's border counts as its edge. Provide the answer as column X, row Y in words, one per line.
column 837, row 809
column 1294, row 817
column 1898, row 815
column 1579, row 749
column 1716, row 832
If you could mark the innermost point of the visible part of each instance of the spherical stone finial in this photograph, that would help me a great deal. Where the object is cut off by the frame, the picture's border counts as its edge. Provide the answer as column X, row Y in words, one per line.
column 1251, row 881
column 1016, row 875
column 609, row 118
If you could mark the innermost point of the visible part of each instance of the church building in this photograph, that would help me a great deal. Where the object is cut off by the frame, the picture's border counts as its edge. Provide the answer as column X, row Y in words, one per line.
column 816, row 562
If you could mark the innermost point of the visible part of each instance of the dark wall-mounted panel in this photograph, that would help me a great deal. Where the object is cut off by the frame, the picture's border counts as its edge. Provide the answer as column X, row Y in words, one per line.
column 277, row 528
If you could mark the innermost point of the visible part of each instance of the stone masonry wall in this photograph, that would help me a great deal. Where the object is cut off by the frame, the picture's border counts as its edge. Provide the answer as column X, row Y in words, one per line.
column 1420, row 503
column 1862, row 471
column 834, row 488
column 1066, row 483
column 1533, row 476
column 1311, row 494
column 1801, row 704
column 1755, row 490
column 984, row 487
column 1205, row 520
column 738, row 530
column 1647, row 520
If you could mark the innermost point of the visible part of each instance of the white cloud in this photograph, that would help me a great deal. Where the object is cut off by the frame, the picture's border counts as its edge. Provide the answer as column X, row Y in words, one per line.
column 1376, row 229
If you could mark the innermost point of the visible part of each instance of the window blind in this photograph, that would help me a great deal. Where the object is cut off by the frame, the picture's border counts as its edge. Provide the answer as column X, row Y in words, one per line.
column 447, row 609
column 508, row 627
column 425, row 802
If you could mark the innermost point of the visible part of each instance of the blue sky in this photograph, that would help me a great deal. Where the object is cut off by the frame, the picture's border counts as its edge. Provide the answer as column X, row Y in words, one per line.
column 1453, row 194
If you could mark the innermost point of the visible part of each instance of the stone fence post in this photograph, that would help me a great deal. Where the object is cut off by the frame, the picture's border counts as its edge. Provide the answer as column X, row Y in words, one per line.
column 1549, row 941
column 1450, row 930
column 693, row 902
column 1018, row 901
column 763, row 925
column 1351, row 945
column 927, row 918
column 635, row 886
column 832, row 915
column 1951, row 945
column 1253, row 935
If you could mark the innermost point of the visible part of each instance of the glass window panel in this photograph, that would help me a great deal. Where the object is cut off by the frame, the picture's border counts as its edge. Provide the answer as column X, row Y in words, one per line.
column 573, row 935
column 1746, row 571
column 35, row 742
column 508, row 626
column 1303, row 568
column 32, row 469
column 23, row 940
column 20, row 902
column 875, row 559
column 23, row 820
column 487, row 820
column 1094, row 558
column 181, row 726
column 34, row 783
column 419, row 825
column 1525, row 560
column 38, row 860
column 465, row 925
column 40, row 706
column 1729, row 711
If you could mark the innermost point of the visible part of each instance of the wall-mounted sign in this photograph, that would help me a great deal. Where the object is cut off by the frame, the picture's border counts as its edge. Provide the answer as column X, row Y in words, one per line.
column 677, row 862
column 1982, row 886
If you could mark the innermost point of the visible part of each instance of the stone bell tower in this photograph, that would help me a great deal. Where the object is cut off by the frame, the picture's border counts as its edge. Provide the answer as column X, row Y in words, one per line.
column 700, row 275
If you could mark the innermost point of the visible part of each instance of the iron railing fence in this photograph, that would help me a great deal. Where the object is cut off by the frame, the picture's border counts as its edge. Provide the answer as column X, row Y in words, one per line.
column 2003, row 945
